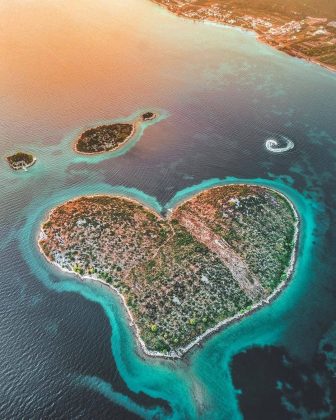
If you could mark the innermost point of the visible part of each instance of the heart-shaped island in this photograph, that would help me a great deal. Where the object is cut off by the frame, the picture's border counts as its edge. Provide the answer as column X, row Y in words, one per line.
column 214, row 258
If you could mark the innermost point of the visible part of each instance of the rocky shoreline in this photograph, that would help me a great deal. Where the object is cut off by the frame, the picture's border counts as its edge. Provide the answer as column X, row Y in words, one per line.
column 283, row 39
column 179, row 352
column 134, row 126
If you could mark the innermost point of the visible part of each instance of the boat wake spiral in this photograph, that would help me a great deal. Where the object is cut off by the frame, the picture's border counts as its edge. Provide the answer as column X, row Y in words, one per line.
column 279, row 145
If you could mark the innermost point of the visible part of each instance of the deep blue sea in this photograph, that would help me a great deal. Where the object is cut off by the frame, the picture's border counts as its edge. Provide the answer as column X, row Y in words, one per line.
column 66, row 349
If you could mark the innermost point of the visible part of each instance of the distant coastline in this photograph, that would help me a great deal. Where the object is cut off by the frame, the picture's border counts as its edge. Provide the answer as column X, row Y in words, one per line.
column 284, row 44
column 183, row 350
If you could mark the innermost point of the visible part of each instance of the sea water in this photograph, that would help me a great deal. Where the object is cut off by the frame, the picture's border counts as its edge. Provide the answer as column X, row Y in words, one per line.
column 66, row 346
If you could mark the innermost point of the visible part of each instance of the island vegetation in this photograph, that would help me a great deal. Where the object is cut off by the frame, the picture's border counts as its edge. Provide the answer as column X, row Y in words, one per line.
column 106, row 138
column 214, row 258
column 148, row 116
column 20, row 160
column 301, row 28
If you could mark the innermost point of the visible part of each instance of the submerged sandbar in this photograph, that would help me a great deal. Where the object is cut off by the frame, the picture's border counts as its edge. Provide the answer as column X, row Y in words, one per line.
column 216, row 257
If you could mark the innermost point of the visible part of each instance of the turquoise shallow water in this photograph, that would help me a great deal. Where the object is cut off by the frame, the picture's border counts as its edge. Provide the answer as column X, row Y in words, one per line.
column 174, row 381
column 67, row 347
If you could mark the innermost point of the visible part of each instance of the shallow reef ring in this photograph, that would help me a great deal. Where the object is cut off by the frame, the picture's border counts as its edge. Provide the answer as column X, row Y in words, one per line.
column 180, row 352
column 273, row 144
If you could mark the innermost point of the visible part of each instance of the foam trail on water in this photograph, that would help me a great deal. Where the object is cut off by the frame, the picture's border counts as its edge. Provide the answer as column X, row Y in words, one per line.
column 274, row 145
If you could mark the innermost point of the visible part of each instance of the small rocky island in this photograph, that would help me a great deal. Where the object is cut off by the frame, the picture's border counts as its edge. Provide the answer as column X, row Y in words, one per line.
column 21, row 160
column 107, row 138
column 147, row 116
column 215, row 257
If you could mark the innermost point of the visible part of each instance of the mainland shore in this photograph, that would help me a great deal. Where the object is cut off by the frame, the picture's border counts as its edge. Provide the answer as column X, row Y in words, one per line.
column 303, row 37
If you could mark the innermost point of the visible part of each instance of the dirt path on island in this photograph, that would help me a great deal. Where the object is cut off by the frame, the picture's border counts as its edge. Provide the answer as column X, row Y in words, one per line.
column 247, row 281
